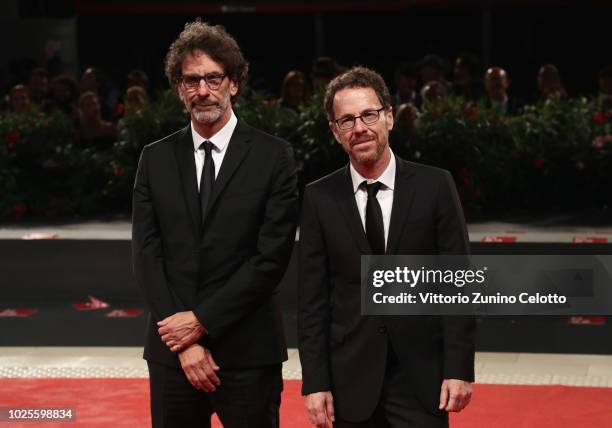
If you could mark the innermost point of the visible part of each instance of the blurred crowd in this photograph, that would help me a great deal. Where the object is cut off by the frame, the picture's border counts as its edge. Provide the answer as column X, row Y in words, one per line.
column 96, row 106
column 419, row 84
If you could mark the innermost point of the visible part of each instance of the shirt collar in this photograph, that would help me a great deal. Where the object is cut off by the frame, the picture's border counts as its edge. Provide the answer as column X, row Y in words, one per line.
column 387, row 177
column 221, row 139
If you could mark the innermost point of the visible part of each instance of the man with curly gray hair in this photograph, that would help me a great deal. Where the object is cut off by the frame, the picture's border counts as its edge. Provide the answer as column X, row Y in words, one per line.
column 214, row 218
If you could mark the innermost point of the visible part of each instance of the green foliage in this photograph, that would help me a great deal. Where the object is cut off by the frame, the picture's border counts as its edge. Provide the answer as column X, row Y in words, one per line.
column 554, row 155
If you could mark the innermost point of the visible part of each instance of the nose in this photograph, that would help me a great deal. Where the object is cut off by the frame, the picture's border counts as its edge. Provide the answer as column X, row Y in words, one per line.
column 203, row 88
column 359, row 126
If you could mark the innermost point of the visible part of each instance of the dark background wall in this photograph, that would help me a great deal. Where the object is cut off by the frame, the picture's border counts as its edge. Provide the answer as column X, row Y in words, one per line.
column 278, row 36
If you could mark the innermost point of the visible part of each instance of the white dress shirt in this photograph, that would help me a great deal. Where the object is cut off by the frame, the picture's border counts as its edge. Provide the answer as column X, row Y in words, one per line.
column 220, row 142
column 384, row 195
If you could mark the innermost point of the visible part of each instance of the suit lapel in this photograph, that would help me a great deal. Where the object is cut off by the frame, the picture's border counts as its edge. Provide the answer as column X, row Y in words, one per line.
column 402, row 199
column 348, row 206
column 187, row 169
column 237, row 148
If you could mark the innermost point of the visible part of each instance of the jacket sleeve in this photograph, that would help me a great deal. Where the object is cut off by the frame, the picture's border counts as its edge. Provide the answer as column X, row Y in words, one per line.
column 256, row 279
column 147, row 251
column 459, row 331
column 313, row 302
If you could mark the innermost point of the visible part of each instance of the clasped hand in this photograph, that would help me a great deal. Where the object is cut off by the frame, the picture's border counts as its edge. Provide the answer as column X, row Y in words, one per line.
column 180, row 330
column 200, row 368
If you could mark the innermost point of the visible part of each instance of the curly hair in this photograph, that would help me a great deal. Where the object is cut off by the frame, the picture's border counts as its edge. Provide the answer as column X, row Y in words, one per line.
column 356, row 77
column 212, row 40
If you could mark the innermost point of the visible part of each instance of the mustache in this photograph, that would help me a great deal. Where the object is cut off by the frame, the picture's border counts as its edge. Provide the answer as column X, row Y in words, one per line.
column 361, row 140
column 203, row 102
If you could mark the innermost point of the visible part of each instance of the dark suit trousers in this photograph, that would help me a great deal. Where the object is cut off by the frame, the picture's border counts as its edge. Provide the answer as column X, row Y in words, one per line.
column 246, row 398
column 398, row 407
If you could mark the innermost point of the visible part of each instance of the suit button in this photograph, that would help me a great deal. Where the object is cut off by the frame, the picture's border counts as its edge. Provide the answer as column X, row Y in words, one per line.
column 382, row 330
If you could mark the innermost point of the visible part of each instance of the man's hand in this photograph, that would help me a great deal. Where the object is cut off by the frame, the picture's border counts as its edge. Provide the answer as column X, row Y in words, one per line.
column 320, row 409
column 180, row 330
column 199, row 367
column 455, row 394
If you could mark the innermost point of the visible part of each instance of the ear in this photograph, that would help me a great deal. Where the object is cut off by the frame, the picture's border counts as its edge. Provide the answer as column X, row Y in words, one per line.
column 233, row 88
column 389, row 117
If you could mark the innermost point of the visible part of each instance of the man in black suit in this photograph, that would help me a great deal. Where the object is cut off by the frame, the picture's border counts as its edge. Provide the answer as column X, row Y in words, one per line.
column 214, row 217
column 371, row 371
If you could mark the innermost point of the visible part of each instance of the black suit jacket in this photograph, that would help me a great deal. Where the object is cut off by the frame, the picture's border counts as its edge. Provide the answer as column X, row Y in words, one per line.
column 345, row 352
column 227, row 269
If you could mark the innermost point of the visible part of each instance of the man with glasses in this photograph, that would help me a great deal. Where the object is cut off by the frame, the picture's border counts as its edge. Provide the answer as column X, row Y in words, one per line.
column 214, row 217
column 369, row 371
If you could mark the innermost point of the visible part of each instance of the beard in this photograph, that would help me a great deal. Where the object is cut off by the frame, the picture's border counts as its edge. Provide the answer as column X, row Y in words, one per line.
column 208, row 115
column 369, row 156
column 205, row 112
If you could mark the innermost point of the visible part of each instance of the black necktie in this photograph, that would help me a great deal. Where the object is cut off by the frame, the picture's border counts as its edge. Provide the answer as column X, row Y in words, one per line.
column 375, row 230
column 207, row 178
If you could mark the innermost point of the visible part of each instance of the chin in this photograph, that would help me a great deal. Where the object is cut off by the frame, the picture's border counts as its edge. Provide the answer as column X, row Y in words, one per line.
column 206, row 118
column 365, row 158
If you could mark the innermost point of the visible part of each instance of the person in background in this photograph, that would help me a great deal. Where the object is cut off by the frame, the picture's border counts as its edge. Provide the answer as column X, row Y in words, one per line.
column 94, row 80
column 324, row 69
column 431, row 92
column 406, row 81
column 138, row 78
column 135, row 99
column 497, row 82
column 432, row 68
column 405, row 125
column 18, row 99
column 64, row 97
column 406, row 117
column 294, row 91
column 94, row 131
column 38, row 86
column 550, row 86
column 53, row 60
column 466, row 78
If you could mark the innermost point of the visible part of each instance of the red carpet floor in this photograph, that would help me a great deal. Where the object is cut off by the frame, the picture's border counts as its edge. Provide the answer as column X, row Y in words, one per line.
column 124, row 403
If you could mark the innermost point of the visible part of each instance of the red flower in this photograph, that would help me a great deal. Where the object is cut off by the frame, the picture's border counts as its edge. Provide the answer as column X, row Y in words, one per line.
column 472, row 113
column 539, row 162
column 19, row 210
column 118, row 170
column 12, row 139
column 119, row 110
column 599, row 118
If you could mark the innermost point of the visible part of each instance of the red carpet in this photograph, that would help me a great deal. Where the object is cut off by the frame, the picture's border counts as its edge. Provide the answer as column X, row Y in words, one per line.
column 124, row 403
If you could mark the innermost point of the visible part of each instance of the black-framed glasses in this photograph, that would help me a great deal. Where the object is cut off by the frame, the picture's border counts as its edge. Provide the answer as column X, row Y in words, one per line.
column 368, row 117
column 191, row 82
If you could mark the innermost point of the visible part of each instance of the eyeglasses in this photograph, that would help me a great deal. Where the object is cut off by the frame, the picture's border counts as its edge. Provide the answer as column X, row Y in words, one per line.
column 213, row 81
column 368, row 117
